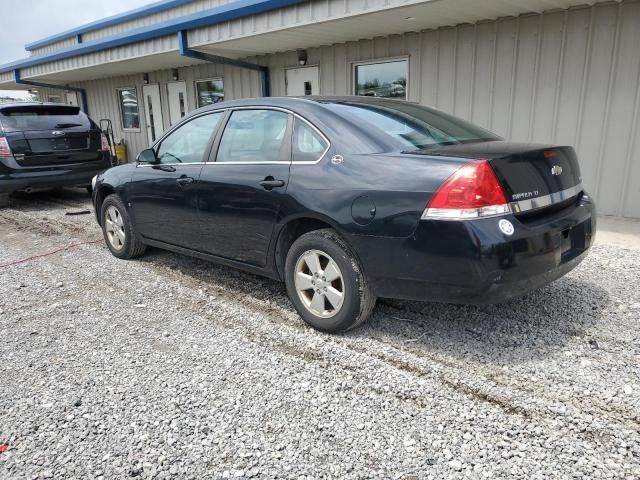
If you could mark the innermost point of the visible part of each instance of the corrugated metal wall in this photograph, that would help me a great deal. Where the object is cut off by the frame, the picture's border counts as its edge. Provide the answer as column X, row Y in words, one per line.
column 66, row 42
column 569, row 77
column 195, row 6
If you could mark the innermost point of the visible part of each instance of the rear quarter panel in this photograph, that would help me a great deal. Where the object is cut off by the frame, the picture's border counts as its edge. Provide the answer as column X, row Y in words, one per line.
column 373, row 194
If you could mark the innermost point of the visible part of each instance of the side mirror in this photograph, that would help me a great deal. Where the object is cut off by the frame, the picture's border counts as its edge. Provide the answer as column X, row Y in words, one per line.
column 147, row 156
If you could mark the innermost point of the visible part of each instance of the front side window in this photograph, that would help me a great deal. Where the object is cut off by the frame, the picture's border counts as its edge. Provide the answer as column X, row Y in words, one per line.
column 255, row 136
column 187, row 144
column 384, row 79
column 128, row 99
column 209, row 92
column 308, row 145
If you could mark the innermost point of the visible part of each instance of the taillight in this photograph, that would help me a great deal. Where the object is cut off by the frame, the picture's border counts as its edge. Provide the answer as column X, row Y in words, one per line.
column 105, row 143
column 5, row 150
column 471, row 192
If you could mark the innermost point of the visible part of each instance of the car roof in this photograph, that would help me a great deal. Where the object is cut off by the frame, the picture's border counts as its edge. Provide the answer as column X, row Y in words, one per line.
column 300, row 102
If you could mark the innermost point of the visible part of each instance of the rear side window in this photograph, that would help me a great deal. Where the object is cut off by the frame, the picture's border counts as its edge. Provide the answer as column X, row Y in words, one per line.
column 255, row 136
column 308, row 145
column 42, row 117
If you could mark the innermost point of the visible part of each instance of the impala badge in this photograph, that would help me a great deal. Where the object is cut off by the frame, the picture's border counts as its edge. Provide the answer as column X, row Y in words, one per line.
column 556, row 170
column 57, row 132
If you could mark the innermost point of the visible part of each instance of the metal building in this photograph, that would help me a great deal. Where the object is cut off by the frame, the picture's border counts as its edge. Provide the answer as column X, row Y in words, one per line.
column 549, row 71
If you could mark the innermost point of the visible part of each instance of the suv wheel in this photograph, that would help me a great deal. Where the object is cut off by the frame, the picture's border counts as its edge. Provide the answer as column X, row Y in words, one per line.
column 326, row 284
column 118, row 230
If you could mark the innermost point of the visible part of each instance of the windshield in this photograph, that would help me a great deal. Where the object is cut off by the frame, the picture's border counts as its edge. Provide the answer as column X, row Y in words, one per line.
column 415, row 126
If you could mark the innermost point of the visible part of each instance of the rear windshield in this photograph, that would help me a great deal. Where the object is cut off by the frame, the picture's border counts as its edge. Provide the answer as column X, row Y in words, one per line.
column 414, row 126
column 42, row 117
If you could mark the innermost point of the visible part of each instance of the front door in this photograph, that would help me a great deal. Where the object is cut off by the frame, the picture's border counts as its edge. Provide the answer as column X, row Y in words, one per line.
column 177, row 95
column 153, row 112
column 302, row 81
column 241, row 192
column 164, row 195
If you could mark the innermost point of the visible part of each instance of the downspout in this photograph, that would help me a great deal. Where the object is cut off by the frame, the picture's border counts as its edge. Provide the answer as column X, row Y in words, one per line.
column 185, row 51
column 82, row 91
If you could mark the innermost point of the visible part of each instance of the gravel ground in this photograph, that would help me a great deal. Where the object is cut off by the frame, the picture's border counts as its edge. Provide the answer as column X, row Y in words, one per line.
column 169, row 367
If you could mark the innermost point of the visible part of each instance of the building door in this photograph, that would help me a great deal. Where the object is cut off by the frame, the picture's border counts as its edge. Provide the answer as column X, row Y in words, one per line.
column 178, row 108
column 72, row 98
column 153, row 111
column 302, row 81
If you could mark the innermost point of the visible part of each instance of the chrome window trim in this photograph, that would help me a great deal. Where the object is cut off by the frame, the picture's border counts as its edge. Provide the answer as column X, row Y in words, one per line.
column 529, row 204
column 244, row 107
column 140, row 165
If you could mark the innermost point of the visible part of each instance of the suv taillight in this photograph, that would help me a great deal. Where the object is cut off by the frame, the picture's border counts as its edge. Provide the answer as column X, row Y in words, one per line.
column 471, row 192
column 5, row 150
column 104, row 143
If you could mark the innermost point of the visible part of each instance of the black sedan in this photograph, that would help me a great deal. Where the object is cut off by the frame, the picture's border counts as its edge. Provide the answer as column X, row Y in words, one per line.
column 348, row 199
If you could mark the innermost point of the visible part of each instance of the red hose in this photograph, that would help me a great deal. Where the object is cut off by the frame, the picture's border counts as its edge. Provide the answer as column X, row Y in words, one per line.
column 66, row 247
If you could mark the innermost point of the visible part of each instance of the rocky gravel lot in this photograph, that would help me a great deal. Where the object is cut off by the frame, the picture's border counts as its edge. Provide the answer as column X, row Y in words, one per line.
column 169, row 367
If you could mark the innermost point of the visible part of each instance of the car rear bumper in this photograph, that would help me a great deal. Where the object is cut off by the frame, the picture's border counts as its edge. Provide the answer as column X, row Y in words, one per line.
column 473, row 261
column 16, row 179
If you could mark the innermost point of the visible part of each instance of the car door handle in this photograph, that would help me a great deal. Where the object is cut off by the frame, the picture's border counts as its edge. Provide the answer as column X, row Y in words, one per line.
column 184, row 180
column 269, row 183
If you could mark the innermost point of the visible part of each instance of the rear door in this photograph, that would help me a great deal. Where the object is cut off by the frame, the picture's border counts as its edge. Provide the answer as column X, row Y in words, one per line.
column 242, row 187
column 49, row 135
column 164, row 196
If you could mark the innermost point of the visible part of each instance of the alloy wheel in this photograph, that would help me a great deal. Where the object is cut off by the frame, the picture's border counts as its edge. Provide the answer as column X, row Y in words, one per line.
column 114, row 226
column 319, row 283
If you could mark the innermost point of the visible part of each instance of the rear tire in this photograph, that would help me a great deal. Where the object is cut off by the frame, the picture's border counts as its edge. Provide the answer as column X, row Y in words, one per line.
column 326, row 283
column 119, row 235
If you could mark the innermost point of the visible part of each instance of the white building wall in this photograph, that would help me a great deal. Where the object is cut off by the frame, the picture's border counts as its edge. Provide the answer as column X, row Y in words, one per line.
column 570, row 77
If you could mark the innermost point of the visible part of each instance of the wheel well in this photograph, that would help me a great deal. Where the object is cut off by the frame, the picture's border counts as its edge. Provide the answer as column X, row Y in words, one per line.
column 289, row 234
column 103, row 192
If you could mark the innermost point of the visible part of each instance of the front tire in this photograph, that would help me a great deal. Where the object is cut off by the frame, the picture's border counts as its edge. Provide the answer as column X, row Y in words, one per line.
column 118, row 231
column 326, row 284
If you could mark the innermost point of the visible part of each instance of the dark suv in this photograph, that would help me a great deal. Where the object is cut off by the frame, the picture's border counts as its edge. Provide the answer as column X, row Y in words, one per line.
column 44, row 145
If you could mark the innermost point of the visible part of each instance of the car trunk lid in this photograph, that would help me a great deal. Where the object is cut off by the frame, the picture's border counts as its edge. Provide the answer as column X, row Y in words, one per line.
column 532, row 176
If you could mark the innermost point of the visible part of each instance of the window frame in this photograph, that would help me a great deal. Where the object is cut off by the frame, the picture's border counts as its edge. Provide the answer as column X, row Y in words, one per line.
column 195, row 90
column 120, row 105
column 376, row 61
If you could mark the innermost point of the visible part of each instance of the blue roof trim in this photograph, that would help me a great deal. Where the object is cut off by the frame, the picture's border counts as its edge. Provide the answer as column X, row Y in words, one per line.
column 109, row 21
column 230, row 11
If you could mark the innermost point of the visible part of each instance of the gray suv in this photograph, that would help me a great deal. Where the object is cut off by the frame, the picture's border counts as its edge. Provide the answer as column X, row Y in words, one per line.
column 45, row 145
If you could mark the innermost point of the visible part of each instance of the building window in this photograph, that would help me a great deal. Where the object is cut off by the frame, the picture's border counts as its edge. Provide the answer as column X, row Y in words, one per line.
column 209, row 92
column 382, row 79
column 128, row 99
